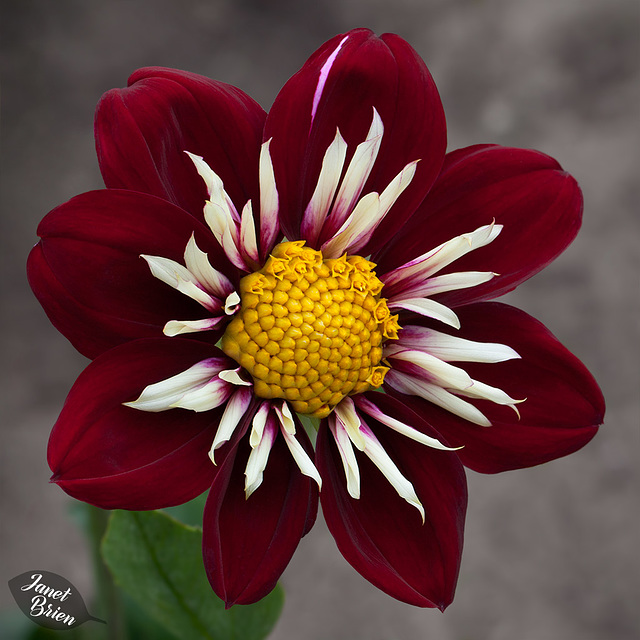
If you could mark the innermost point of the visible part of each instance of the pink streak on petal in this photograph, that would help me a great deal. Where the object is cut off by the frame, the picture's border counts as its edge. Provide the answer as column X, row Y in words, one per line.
column 324, row 74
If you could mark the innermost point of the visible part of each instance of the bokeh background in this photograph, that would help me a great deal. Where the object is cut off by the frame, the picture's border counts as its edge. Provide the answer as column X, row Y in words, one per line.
column 551, row 552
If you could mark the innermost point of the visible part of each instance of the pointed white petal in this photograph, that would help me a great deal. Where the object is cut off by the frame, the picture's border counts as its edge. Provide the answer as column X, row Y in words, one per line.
column 447, row 282
column 217, row 219
column 231, row 303
column 487, row 392
column 268, row 200
column 233, row 413
column 180, row 278
column 211, row 179
column 298, row 453
column 316, row 212
column 357, row 172
column 436, row 394
column 451, row 348
column 232, row 376
column 347, row 455
column 207, row 397
column 163, row 395
column 258, row 458
column 178, row 327
column 387, row 199
column 346, row 412
column 211, row 279
column 426, row 307
column 356, row 224
column 248, row 233
column 376, row 453
column 417, row 270
column 215, row 187
column 286, row 417
column 435, row 370
column 231, row 248
column 259, row 422
column 371, row 409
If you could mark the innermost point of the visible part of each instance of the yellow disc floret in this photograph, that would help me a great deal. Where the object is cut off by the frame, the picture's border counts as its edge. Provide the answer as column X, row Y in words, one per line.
column 311, row 330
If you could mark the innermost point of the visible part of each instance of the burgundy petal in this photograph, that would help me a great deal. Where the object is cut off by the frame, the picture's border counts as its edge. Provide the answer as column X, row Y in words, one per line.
column 538, row 203
column 87, row 272
column 247, row 543
column 381, row 535
column 367, row 72
column 563, row 405
column 116, row 457
column 143, row 130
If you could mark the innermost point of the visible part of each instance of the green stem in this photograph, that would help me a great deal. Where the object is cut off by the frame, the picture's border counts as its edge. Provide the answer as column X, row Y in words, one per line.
column 108, row 599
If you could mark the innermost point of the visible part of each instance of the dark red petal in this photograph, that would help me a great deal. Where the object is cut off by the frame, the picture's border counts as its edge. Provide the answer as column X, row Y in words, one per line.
column 116, row 457
column 538, row 203
column 380, row 534
column 87, row 272
column 143, row 130
column 385, row 73
column 563, row 406
column 247, row 543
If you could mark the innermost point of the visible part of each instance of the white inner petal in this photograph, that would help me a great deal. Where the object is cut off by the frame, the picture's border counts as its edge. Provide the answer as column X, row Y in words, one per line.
column 437, row 395
column 207, row 397
column 178, row 327
column 197, row 262
column 420, row 268
column 163, row 395
column 286, row 417
column 227, row 236
column 215, row 187
column 180, row 278
column 357, row 172
column 233, row 413
column 298, row 453
column 448, row 282
column 358, row 228
column 259, row 422
column 248, row 233
column 453, row 349
column 365, row 211
column 487, row 392
column 426, row 307
column 232, row 376
column 258, row 459
column 387, row 199
column 231, row 303
column 346, row 412
column 376, row 453
column 442, row 373
column 318, row 207
column 347, row 455
column 402, row 428
column 268, row 200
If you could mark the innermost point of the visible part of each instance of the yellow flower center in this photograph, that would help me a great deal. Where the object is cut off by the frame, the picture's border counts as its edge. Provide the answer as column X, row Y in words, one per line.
column 310, row 330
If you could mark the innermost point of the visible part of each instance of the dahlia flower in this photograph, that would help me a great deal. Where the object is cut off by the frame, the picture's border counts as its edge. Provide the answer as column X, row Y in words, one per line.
column 328, row 260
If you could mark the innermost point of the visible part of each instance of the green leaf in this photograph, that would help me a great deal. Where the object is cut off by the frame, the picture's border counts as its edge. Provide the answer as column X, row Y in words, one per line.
column 189, row 512
column 158, row 562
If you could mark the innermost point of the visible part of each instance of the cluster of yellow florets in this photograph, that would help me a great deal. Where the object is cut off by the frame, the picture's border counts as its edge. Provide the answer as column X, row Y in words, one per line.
column 311, row 330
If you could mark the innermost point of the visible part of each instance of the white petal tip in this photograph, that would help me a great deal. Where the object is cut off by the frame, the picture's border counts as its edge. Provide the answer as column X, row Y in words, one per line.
column 231, row 303
column 232, row 376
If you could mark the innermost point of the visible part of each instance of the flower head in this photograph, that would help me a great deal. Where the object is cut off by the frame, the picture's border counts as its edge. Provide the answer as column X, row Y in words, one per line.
column 242, row 270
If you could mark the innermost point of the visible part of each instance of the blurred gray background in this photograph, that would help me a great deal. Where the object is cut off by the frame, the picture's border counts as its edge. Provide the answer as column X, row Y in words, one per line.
column 551, row 552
